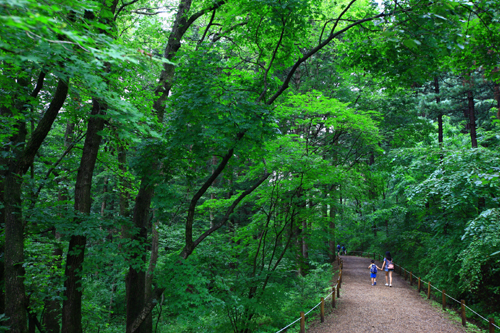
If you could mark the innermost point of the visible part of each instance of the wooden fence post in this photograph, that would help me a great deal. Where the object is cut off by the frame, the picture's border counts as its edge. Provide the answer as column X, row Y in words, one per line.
column 333, row 296
column 340, row 280
column 464, row 319
column 444, row 299
column 338, row 289
column 492, row 328
column 322, row 310
column 302, row 322
column 411, row 279
column 419, row 285
column 429, row 290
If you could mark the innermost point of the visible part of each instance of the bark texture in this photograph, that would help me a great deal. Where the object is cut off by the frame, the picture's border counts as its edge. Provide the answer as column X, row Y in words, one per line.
column 23, row 156
column 136, row 278
column 72, row 312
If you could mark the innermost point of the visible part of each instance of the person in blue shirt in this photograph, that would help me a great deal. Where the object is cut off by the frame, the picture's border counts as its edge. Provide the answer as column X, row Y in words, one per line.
column 373, row 272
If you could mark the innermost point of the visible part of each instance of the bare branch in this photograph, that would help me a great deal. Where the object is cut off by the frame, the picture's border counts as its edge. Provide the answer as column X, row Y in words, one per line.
column 123, row 6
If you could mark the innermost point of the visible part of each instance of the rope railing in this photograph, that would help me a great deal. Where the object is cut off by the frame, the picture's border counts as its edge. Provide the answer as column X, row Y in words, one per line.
column 491, row 322
column 335, row 289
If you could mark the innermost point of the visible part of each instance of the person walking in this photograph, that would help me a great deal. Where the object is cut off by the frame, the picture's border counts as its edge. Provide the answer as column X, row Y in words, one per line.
column 388, row 267
column 373, row 272
column 343, row 249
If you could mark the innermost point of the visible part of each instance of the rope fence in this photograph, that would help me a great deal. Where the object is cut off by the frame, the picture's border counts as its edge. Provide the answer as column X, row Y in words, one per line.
column 407, row 275
column 491, row 322
column 335, row 290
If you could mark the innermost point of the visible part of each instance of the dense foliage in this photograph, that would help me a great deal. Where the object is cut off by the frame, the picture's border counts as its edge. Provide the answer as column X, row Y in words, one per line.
column 191, row 166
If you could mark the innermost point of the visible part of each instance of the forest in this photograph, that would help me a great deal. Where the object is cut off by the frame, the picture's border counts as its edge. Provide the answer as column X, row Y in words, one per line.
column 190, row 166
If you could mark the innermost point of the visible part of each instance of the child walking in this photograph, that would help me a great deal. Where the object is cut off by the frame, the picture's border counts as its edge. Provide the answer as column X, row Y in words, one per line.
column 373, row 272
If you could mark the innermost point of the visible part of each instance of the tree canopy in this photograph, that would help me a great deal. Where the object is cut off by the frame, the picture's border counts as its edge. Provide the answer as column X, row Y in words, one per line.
column 184, row 166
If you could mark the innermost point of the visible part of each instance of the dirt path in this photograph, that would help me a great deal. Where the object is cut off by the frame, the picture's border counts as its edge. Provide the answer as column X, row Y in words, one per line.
column 366, row 308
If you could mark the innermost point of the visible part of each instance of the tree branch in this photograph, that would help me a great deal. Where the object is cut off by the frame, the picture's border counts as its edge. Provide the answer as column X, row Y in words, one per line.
column 189, row 246
column 186, row 251
column 44, row 126
column 313, row 51
column 123, row 6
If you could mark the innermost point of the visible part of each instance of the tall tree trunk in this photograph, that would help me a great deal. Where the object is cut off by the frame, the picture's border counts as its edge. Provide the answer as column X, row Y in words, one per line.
column 152, row 265
column 331, row 230
column 136, row 277
column 72, row 311
column 497, row 97
column 23, row 156
column 472, row 119
column 15, row 296
column 104, row 195
column 305, row 250
column 2, row 241
column 72, row 304
column 470, row 111
column 52, row 306
column 124, row 187
column 52, row 311
column 440, row 115
column 372, row 194
column 300, row 230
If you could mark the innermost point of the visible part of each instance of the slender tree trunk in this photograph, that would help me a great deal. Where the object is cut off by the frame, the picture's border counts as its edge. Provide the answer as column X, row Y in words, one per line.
column 305, row 250
column 72, row 312
column 372, row 194
column 471, row 116
column 53, row 309
column 497, row 97
column 23, row 156
column 300, row 231
column 136, row 277
column 15, row 296
column 212, row 195
column 331, row 227
column 152, row 265
column 124, row 187
column 110, row 308
column 104, row 194
column 472, row 119
column 2, row 241
column 72, row 305
column 440, row 115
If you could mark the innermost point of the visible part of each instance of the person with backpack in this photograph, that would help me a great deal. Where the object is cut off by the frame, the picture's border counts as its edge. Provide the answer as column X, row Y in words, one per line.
column 373, row 272
column 388, row 266
column 343, row 249
column 338, row 249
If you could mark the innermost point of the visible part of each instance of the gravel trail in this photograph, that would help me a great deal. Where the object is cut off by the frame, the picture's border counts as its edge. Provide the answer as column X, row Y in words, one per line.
column 366, row 308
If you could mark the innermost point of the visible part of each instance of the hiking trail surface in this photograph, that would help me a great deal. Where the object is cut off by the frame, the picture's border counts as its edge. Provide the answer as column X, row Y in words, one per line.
column 366, row 308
